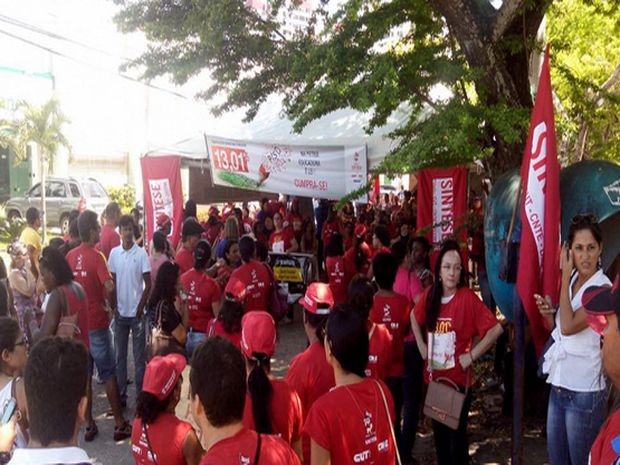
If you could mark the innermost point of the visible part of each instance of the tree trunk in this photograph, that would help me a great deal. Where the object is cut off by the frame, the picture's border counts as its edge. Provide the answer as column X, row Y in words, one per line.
column 483, row 35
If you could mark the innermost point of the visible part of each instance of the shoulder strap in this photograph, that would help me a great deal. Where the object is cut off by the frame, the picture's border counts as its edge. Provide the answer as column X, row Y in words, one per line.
column 63, row 300
column 258, row 444
column 159, row 313
column 148, row 442
column 389, row 419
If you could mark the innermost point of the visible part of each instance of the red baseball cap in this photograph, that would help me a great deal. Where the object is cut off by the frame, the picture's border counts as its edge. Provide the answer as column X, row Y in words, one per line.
column 318, row 294
column 162, row 374
column 600, row 301
column 360, row 230
column 258, row 333
column 162, row 219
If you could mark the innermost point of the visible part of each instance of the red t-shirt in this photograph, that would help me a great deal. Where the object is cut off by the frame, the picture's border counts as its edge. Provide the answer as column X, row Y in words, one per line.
column 337, row 279
column 217, row 329
column 166, row 436
column 285, row 411
column 212, row 231
column 108, row 239
column 184, row 259
column 459, row 321
column 202, row 293
column 79, row 306
column 606, row 447
column 393, row 312
column 311, row 376
column 91, row 271
column 360, row 431
column 285, row 237
column 379, row 352
column 349, row 260
column 328, row 231
column 381, row 249
column 240, row 449
column 258, row 285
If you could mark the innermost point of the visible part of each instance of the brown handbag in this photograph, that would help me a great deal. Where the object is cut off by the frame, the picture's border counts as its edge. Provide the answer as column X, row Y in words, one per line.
column 68, row 324
column 161, row 343
column 444, row 402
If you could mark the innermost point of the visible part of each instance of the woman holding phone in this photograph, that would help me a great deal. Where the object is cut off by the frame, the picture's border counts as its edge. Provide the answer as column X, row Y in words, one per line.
column 576, row 407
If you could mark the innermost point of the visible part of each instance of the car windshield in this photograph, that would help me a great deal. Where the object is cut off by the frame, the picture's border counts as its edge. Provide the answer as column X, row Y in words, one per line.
column 93, row 190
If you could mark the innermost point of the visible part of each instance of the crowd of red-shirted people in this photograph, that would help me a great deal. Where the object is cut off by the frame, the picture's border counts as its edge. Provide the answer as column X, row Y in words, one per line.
column 353, row 395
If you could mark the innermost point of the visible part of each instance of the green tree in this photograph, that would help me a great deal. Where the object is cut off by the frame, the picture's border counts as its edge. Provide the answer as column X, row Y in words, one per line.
column 43, row 127
column 585, row 37
column 369, row 55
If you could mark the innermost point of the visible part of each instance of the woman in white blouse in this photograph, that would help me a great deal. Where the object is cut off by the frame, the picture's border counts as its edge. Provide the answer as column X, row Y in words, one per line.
column 576, row 408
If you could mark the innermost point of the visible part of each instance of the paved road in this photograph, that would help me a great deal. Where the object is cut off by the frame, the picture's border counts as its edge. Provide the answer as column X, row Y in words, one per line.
column 104, row 450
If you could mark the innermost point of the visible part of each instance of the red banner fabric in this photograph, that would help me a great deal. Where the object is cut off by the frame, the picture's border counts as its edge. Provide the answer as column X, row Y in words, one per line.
column 442, row 204
column 538, row 270
column 163, row 193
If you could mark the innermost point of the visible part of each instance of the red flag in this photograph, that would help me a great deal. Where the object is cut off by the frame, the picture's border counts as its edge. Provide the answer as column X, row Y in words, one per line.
column 538, row 270
column 163, row 193
column 442, row 203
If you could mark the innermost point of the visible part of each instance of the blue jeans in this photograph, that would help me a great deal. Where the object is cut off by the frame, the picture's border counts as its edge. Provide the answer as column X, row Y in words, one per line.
column 102, row 353
column 122, row 326
column 194, row 339
column 573, row 421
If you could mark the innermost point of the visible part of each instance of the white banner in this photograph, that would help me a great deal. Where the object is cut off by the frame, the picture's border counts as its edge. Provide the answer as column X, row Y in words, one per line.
column 328, row 172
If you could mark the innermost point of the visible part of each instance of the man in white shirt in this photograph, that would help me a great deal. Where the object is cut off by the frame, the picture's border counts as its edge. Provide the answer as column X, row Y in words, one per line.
column 131, row 272
column 55, row 380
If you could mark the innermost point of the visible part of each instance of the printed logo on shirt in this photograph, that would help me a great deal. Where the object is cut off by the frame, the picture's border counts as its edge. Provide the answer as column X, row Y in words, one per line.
column 387, row 313
column 244, row 460
column 371, row 436
column 361, row 456
column 442, row 346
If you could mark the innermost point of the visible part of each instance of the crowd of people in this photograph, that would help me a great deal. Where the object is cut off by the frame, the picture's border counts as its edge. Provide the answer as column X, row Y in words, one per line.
column 389, row 318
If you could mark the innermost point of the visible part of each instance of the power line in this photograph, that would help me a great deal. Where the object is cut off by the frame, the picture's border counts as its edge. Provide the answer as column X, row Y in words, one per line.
column 82, row 62
column 53, row 35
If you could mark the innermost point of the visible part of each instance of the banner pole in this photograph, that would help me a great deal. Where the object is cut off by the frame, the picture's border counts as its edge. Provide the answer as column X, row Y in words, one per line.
column 518, row 369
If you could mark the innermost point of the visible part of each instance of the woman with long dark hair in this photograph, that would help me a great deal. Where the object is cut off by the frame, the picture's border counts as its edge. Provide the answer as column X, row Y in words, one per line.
column 576, row 408
column 65, row 299
column 203, row 297
column 157, row 435
column 232, row 259
column 168, row 303
column 271, row 406
column 352, row 422
column 449, row 316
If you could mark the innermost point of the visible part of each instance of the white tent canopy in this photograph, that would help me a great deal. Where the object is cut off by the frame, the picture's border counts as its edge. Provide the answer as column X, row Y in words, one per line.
column 341, row 127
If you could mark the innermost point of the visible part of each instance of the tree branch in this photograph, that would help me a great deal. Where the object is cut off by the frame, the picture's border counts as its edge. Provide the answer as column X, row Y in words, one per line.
column 612, row 81
column 505, row 16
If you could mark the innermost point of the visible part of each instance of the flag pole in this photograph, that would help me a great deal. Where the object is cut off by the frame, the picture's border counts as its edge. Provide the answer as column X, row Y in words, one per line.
column 518, row 370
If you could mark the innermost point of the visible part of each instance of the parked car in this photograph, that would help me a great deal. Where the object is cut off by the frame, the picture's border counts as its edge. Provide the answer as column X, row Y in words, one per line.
column 62, row 196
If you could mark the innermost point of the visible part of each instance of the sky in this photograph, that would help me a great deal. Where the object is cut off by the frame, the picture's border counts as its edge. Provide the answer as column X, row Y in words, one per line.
column 109, row 114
